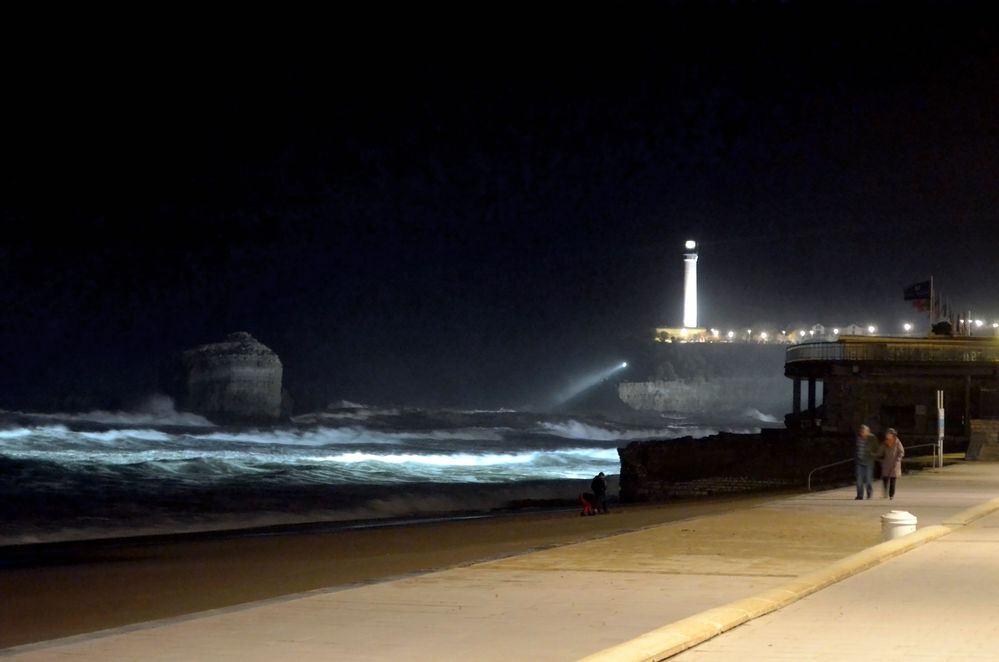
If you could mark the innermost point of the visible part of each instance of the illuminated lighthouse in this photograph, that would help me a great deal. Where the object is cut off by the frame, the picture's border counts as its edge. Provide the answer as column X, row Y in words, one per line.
column 690, row 285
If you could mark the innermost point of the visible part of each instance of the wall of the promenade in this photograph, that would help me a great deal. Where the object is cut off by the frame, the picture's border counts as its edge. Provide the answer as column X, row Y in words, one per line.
column 984, row 444
column 657, row 470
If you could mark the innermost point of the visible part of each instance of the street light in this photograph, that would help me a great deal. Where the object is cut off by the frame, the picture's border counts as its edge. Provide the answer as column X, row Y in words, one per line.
column 979, row 323
column 730, row 334
column 871, row 329
column 763, row 335
column 835, row 332
column 907, row 327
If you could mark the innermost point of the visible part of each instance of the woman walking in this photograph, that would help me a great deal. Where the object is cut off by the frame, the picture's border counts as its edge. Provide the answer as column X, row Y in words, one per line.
column 891, row 463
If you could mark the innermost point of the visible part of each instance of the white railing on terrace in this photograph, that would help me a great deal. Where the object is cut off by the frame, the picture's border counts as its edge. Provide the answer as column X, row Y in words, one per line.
column 904, row 352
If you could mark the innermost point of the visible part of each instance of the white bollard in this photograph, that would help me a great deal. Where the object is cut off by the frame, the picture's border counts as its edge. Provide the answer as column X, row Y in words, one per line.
column 896, row 524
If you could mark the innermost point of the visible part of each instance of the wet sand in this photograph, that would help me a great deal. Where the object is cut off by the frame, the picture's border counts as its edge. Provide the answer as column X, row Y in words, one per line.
column 52, row 591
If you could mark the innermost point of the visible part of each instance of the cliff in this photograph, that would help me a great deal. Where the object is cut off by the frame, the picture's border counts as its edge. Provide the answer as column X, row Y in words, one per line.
column 234, row 381
column 708, row 377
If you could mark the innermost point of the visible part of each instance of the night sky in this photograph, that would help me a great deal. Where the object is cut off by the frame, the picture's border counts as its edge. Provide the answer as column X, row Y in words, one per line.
column 463, row 208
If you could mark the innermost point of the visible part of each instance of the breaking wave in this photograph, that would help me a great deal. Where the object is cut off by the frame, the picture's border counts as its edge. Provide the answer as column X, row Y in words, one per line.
column 574, row 429
column 108, row 473
column 757, row 415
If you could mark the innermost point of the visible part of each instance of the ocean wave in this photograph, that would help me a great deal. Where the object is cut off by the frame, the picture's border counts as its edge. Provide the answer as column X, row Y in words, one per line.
column 156, row 410
column 329, row 436
column 433, row 459
column 758, row 415
column 42, row 438
column 78, row 473
column 573, row 429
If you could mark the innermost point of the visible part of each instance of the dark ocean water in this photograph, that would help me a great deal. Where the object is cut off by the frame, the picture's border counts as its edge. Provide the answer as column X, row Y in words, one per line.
column 72, row 476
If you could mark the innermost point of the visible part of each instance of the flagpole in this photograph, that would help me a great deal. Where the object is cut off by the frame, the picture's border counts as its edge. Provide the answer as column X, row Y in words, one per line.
column 932, row 301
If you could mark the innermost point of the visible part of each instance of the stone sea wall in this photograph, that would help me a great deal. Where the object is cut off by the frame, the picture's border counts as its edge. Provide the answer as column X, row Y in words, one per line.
column 984, row 444
column 657, row 470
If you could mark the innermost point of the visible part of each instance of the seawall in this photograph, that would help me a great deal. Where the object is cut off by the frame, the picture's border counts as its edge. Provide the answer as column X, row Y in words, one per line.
column 657, row 470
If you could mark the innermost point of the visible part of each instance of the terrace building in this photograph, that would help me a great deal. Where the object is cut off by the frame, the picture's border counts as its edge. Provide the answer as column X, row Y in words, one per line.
column 893, row 382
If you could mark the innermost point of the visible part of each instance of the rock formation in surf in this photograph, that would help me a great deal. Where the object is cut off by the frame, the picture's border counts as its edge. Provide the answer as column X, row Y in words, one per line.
column 234, row 381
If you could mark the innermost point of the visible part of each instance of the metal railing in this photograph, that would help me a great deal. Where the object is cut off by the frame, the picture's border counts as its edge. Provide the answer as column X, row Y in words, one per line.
column 836, row 464
column 897, row 351
column 825, row 466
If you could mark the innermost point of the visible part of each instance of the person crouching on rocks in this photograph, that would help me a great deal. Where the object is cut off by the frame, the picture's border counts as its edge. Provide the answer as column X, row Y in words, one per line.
column 891, row 463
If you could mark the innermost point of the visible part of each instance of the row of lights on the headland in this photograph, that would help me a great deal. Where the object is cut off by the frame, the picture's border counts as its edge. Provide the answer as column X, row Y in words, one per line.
column 803, row 335
column 794, row 336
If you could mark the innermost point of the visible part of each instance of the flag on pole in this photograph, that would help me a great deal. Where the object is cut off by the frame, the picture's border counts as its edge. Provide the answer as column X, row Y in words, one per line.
column 919, row 295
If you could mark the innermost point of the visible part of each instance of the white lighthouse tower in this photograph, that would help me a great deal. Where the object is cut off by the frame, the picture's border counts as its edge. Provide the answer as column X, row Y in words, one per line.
column 690, row 285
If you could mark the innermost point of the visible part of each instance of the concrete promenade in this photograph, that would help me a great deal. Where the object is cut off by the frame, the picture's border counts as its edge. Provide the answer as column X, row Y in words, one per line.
column 937, row 602
column 568, row 602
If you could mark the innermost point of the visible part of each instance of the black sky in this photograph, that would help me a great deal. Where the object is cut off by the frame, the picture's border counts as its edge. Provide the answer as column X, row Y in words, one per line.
column 461, row 208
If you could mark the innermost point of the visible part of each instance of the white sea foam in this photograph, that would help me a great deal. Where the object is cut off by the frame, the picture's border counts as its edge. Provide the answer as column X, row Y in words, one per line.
column 323, row 436
column 573, row 429
column 155, row 410
column 758, row 415
column 433, row 459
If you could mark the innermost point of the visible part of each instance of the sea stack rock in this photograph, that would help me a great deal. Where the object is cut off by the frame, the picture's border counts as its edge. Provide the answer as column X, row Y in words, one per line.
column 234, row 381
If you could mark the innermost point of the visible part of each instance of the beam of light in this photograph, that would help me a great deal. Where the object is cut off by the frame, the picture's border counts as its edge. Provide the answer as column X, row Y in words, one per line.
column 587, row 382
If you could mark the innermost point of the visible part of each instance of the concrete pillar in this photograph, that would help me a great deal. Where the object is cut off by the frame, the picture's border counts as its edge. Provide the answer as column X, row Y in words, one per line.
column 796, row 398
column 811, row 400
column 967, row 406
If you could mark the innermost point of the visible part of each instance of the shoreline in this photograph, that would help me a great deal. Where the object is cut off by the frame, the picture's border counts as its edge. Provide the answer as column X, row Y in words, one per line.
column 315, row 526
column 85, row 586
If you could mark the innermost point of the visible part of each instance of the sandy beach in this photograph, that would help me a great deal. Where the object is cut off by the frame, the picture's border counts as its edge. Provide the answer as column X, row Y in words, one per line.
column 54, row 591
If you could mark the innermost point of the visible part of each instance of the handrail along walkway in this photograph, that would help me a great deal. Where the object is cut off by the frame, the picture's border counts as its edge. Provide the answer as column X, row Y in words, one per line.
column 836, row 464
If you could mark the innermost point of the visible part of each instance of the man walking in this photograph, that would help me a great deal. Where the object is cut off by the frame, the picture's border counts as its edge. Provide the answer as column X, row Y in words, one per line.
column 865, row 455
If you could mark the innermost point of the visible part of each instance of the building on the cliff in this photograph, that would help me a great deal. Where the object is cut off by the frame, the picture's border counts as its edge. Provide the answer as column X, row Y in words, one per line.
column 892, row 382
column 237, row 380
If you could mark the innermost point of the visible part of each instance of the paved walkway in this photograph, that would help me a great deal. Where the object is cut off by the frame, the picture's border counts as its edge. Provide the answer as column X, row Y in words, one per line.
column 936, row 602
column 555, row 604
